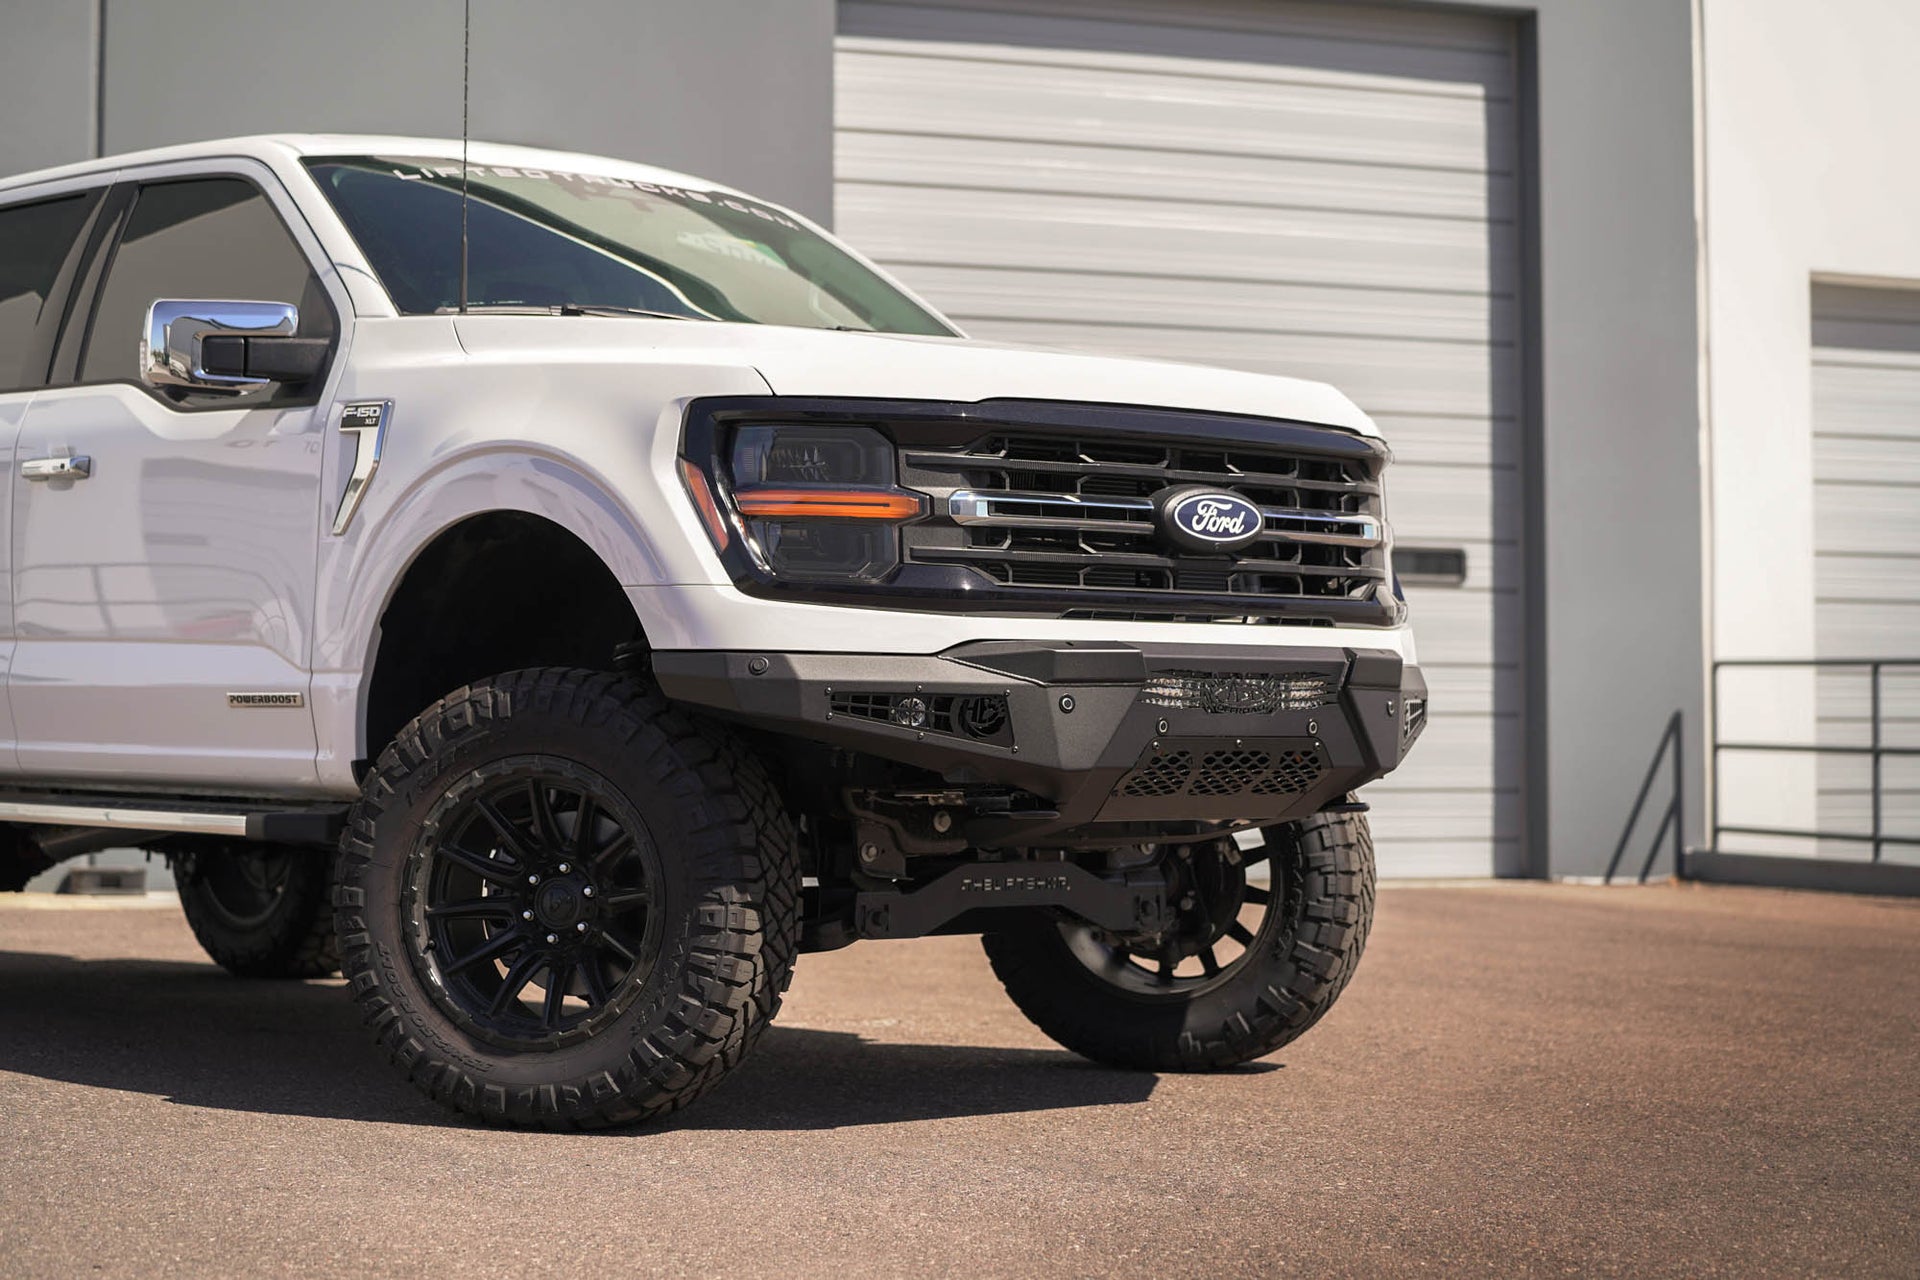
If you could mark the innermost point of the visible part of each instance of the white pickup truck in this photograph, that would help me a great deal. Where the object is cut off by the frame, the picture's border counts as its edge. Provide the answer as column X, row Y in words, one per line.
column 556, row 592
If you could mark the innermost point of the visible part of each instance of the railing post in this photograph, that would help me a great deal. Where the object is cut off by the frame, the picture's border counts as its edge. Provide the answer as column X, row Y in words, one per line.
column 1713, row 756
column 1679, row 789
column 1878, row 832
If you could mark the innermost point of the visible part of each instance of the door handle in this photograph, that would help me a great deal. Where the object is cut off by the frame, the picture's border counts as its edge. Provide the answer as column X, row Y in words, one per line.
column 57, row 468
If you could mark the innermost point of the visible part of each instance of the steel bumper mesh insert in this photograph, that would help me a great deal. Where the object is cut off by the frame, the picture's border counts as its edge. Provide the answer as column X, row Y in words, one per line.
column 1226, row 772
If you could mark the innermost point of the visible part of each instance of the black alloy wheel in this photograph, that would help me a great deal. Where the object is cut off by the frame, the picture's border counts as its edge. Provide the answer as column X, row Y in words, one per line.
column 242, row 891
column 260, row 910
column 533, row 891
column 1223, row 908
column 1264, row 942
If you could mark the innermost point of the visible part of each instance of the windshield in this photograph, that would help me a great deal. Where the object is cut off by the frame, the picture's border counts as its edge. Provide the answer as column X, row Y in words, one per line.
column 541, row 238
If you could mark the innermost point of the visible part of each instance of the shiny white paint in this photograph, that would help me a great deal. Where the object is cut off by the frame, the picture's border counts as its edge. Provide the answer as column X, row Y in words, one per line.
column 573, row 419
column 180, row 569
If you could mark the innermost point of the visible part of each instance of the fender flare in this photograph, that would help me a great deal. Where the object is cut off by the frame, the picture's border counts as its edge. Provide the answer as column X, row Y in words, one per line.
column 361, row 573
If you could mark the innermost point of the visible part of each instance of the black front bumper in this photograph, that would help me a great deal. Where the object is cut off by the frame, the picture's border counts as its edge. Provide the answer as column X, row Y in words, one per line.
column 1259, row 733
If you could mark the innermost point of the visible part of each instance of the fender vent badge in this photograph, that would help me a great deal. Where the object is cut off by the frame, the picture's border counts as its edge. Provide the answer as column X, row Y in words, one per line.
column 366, row 422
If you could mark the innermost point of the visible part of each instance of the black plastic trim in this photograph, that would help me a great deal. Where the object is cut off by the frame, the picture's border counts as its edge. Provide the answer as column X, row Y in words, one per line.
column 46, row 329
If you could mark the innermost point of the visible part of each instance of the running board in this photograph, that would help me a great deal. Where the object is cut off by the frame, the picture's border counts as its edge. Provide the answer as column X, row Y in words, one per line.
column 236, row 819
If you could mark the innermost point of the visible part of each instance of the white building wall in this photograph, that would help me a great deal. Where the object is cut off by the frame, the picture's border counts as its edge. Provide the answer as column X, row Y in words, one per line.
column 1810, row 128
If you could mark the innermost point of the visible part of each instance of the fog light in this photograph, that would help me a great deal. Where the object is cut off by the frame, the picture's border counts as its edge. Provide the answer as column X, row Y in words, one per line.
column 982, row 717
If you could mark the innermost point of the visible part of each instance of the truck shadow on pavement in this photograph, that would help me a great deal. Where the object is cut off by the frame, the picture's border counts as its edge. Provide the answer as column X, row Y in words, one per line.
column 199, row 1038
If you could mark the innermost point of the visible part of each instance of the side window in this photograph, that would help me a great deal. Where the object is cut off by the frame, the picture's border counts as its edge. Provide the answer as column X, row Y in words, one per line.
column 210, row 238
column 35, row 240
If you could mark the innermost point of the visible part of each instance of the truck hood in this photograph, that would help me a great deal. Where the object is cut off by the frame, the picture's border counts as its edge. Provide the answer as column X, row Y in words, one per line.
column 821, row 362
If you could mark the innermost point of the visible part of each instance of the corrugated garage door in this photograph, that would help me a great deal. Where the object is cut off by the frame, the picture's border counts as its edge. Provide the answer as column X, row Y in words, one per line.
column 1866, row 466
column 1318, row 190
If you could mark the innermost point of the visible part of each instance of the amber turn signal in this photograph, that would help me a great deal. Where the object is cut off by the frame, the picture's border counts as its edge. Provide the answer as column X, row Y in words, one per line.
column 829, row 504
column 702, row 495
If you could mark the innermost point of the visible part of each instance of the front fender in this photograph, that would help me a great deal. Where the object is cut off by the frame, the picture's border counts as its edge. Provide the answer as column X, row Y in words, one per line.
column 620, row 496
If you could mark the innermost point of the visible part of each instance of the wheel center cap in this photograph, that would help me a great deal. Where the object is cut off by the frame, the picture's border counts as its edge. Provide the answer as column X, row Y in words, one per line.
column 559, row 904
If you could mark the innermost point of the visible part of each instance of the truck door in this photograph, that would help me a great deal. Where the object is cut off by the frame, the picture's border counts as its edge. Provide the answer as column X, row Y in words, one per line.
column 164, row 539
column 42, row 238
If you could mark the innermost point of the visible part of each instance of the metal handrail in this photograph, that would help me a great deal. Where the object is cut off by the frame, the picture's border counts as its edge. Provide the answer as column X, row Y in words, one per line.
column 1672, row 747
column 1876, row 750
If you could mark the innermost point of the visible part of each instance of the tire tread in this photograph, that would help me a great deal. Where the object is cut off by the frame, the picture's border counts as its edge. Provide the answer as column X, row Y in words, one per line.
column 746, row 879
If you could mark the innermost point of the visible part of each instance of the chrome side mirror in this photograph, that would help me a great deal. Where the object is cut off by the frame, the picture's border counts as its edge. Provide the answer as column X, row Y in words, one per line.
column 171, row 351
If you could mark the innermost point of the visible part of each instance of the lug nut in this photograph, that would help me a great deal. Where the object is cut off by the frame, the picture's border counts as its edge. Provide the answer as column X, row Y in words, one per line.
column 564, row 868
column 533, row 879
column 581, row 927
column 526, row 915
column 588, row 891
column 552, row 938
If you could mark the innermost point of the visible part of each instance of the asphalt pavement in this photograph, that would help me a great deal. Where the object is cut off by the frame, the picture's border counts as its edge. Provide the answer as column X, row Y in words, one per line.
column 1522, row 1080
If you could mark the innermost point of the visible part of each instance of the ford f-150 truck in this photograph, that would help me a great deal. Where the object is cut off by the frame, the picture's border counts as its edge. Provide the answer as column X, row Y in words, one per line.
column 556, row 592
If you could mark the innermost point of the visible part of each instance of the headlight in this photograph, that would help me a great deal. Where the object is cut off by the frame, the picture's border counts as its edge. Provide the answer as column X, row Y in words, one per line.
column 817, row 504
column 781, row 456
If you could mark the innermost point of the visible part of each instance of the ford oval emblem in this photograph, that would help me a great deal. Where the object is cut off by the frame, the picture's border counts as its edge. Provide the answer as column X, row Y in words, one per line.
column 1208, row 519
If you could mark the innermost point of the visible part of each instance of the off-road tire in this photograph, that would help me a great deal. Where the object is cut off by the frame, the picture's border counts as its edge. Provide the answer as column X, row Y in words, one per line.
column 730, row 909
column 286, row 932
column 1324, row 883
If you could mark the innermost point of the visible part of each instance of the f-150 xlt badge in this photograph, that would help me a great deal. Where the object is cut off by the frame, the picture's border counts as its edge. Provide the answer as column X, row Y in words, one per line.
column 1208, row 519
column 366, row 422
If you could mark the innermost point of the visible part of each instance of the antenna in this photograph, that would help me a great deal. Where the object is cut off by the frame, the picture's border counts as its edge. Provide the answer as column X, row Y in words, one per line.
column 466, row 63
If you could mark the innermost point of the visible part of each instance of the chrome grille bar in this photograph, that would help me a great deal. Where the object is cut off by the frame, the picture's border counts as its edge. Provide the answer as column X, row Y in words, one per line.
column 1095, row 514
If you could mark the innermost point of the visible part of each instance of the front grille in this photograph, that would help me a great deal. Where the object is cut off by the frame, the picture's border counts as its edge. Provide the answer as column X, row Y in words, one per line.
column 1068, row 515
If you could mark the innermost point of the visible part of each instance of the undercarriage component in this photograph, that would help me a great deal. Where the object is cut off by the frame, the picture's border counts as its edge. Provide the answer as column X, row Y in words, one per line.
column 20, row 860
column 1134, row 902
column 27, row 851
